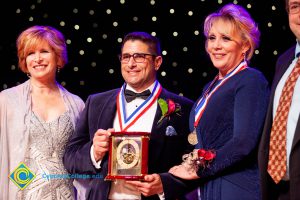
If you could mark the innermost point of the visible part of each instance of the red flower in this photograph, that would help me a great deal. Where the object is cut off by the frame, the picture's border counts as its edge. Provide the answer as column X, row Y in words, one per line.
column 168, row 108
column 204, row 158
column 171, row 107
column 201, row 153
column 198, row 159
column 209, row 155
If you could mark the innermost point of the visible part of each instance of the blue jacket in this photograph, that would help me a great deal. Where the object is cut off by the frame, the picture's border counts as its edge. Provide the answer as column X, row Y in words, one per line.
column 231, row 125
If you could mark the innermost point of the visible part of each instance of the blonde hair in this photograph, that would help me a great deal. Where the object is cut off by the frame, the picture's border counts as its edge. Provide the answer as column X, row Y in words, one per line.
column 241, row 22
column 33, row 36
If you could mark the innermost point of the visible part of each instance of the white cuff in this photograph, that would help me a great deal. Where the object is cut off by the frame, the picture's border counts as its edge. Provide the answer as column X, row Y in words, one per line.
column 95, row 163
column 161, row 196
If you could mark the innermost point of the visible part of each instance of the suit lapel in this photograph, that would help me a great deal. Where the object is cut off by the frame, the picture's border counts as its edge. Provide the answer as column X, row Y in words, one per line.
column 107, row 113
column 296, row 139
column 281, row 71
column 157, row 132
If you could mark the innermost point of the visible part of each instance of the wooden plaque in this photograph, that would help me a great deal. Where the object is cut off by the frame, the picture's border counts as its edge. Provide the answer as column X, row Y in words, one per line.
column 128, row 155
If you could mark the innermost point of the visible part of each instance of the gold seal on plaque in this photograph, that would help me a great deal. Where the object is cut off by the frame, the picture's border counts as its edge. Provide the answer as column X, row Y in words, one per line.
column 192, row 138
column 128, row 153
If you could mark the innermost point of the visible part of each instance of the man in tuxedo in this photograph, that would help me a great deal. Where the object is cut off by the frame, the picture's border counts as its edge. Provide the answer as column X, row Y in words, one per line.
column 123, row 110
column 285, row 184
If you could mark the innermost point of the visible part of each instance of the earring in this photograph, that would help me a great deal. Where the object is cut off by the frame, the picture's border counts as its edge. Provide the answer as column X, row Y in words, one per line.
column 58, row 69
column 28, row 75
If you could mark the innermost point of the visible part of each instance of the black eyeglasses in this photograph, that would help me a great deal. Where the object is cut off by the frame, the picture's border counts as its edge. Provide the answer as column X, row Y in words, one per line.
column 137, row 57
column 294, row 8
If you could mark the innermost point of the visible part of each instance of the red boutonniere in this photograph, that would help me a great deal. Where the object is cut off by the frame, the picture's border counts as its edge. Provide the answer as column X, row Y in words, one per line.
column 168, row 108
column 198, row 159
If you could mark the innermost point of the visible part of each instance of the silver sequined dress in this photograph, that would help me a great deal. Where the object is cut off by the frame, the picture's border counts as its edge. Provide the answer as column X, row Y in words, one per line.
column 44, row 157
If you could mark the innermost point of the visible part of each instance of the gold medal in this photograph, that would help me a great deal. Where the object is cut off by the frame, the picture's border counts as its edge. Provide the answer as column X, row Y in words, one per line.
column 192, row 138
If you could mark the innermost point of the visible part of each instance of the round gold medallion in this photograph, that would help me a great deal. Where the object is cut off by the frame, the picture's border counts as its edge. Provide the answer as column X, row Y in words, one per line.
column 128, row 153
column 192, row 138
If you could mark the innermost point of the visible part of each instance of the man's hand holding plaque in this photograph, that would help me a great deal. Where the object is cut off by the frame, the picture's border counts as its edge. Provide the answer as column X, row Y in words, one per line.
column 101, row 143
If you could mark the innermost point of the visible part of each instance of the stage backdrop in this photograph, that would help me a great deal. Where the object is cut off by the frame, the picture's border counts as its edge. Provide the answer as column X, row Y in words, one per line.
column 94, row 30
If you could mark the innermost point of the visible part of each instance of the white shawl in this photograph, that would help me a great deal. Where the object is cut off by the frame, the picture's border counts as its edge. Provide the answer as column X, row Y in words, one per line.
column 15, row 106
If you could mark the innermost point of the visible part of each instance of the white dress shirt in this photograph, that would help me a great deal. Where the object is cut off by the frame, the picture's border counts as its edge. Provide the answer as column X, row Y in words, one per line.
column 119, row 189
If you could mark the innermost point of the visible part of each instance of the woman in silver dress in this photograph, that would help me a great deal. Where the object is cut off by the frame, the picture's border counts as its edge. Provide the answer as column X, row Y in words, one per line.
column 36, row 119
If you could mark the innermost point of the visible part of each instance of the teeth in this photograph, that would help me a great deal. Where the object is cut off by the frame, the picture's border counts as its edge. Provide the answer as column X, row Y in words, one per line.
column 218, row 56
column 39, row 67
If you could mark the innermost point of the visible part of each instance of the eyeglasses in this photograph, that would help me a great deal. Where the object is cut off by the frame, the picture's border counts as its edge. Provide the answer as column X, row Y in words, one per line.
column 137, row 57
column 294, row 8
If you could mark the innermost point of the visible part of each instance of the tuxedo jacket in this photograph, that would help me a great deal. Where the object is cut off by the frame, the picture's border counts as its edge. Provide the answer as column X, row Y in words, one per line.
column 100, row 110
column 269, row 189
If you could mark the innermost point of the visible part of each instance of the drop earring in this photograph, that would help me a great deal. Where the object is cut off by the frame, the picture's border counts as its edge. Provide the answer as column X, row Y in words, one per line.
column 58, row 69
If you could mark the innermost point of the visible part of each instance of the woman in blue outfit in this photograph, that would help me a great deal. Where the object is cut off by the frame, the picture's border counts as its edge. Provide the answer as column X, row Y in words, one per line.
column 227, row 119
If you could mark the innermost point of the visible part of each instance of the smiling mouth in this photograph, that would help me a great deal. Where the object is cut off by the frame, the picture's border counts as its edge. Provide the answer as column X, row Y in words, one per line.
column 218, row 56
column 133, row 72
column 39, row 67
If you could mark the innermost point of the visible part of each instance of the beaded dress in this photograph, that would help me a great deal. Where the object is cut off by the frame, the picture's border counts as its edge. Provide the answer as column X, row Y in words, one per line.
column 44, row 157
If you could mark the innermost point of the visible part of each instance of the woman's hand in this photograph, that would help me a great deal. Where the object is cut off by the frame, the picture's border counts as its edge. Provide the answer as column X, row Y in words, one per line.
column 182, row 172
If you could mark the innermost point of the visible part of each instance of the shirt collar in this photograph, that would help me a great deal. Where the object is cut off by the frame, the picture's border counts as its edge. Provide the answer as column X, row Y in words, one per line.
column 297, row 50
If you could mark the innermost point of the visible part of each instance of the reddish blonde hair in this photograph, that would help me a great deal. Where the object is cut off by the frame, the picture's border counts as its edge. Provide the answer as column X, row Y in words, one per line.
column 33, row 36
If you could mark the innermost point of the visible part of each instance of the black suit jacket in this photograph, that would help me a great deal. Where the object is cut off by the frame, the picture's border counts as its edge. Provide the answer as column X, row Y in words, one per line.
column 269, row 188
column 164, row 151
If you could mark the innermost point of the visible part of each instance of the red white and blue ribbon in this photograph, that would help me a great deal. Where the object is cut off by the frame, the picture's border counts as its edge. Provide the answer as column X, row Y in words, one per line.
column 126, row 121
column 202, row 103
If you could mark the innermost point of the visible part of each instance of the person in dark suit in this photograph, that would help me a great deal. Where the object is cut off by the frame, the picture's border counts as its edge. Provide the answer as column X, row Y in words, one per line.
column 288, row 185
column 228, row 117
column 116, row 110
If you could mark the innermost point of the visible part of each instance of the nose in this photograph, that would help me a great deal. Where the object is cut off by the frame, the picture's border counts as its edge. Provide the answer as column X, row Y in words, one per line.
column 131, row 62
column 37, row 57
column 217, row 44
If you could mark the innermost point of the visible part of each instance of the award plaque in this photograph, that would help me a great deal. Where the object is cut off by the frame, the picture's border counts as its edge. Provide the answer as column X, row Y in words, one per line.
column 128, row 155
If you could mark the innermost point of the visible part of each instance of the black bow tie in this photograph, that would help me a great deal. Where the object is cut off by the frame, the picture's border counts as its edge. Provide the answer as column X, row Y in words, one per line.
column 130, row 95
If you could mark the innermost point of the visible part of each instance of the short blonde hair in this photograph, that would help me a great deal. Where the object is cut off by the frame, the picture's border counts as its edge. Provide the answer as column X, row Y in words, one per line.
column 241, row 22
column 33, row 36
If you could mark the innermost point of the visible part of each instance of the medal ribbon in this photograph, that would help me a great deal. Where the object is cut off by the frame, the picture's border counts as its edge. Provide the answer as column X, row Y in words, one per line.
column 124, row 121
column 202, row 103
